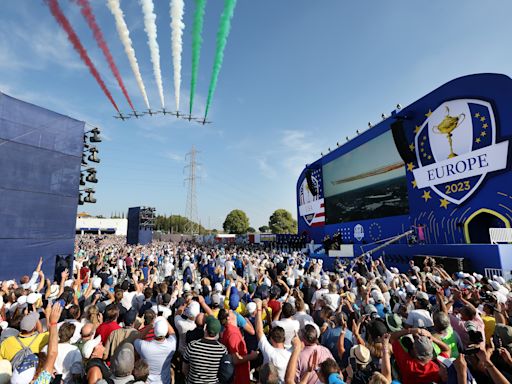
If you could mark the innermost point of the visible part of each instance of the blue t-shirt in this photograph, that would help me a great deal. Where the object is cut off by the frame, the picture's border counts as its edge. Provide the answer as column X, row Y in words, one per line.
column 329, row 339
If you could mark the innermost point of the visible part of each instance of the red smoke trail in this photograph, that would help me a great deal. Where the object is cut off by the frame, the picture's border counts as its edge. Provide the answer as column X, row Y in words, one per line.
column 86, row 11
column 73, row 38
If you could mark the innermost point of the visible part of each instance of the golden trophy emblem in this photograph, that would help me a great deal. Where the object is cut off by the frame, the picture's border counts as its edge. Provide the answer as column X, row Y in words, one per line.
column 447, row 126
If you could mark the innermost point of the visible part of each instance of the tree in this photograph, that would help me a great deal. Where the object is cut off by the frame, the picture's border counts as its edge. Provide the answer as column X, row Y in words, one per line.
column 264, row 229
column 236, row 222
column 282, row 221
column 251, row 230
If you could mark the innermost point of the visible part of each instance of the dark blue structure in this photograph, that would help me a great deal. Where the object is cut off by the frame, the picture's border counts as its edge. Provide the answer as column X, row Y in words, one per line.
column 40, row 155
column 440, row 166
column 137, row 234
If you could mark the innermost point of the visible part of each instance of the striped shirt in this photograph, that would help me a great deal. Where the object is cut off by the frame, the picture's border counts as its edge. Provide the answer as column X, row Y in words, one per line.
column 203, row 357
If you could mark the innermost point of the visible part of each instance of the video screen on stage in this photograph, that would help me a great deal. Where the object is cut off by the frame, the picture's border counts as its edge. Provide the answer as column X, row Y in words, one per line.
column 369, row 182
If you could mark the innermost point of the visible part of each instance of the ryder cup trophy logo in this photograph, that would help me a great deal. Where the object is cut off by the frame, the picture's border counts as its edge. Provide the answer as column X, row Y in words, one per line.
column 311, row 200
column 456, row 148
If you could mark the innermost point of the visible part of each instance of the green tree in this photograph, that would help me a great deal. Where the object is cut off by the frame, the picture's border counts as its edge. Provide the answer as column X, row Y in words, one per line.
column 236, row 222
column 264, row 229
column 282, row 221
column 251, row 230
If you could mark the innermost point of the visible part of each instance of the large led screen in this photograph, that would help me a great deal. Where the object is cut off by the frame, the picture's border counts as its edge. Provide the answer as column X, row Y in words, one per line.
column 369, row 182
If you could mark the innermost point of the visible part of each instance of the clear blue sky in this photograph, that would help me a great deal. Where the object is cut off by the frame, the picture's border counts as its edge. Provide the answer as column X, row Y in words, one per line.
column 298, row 76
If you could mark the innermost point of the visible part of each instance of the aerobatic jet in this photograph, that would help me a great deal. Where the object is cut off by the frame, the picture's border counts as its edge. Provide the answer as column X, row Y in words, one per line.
column 151, row 113
column 203, row 121
column 122, row 117
column 136, row 115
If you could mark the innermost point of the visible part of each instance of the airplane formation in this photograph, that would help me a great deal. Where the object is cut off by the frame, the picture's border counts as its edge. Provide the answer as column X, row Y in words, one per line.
column 149, row 112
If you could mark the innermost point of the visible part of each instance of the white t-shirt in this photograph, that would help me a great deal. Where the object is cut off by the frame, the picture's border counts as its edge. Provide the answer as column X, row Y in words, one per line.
column 69, row 361
column 302, row 318
column 132, row 299
column 166, row 312
column 419, row 318
column 291, row 328
column 183, row 326
column 277, row 356
column 158, row 355
column 318, row 295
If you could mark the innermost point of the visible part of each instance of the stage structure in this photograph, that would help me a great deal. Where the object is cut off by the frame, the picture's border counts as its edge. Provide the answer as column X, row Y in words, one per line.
column 439, row 167
column 40, row 156
column 141, row 221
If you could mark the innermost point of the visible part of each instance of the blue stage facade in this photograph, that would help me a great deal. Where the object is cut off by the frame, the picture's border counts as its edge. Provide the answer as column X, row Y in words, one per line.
column 439, row 167
column 40, row 155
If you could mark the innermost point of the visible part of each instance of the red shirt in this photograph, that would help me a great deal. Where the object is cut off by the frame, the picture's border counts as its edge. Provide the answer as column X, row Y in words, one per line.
column 233, row 340
column 275, row 305
column 150, row 335
column 412, row 371
column 83, row 275
column 128, row 261
column 105, row 329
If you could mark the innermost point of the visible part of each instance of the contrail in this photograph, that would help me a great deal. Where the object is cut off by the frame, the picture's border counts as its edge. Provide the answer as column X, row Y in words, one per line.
column 87, row 13
column 197, row 40
column 177, row 26
column 75, row 41
column 222, row 39
column 150, row 28
column 124, row 36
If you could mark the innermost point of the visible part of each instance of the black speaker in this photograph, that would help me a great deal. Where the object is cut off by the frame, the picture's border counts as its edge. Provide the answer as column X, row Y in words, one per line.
column 397, row 129
column 311, row 185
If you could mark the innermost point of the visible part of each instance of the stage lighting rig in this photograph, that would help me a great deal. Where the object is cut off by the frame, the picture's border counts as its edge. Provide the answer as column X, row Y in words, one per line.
column 90, row 196
column 147, row 217
column 91, row 177
column 95, row 138
column 94, row 155
column 80, row 199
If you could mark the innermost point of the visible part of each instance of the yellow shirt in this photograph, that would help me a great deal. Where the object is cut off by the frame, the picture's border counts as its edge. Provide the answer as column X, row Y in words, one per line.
column 489, row 326
column 240, row 309
column 11, row 346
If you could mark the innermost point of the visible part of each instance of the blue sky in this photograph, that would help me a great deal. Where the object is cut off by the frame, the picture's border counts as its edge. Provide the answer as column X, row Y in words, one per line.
column 298, row 76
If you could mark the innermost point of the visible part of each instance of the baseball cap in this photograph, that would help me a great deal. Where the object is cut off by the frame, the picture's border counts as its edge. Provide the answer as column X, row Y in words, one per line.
column 420, row 295
column 215, row 299
column 33, row 297
column 212, row 325
column 234, row 301
column 5, row 371
column 251, row 307
column 96, row 283
column 218, row 287
column 124, row 360
column 89, row 347
column 192, row 309
column 160, row 327
column 394, row 322
column 28, row 323
column 423, row 348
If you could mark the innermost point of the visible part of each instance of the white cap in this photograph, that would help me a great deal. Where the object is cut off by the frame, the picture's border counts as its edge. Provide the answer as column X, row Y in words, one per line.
column 187, row 287
column 218, row 287
column 160, row 327
column 421, row 295
column 89, row 346
column 192, row 309
column 251, row 307
column 68, row 283
column 500, row 280
column 22, row 300
column 33, row 298
column 96, row 283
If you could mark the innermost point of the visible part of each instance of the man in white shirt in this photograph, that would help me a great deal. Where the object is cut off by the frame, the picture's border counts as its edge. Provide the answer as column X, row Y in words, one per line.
column 158, row 352
column 287, row 323
column 185, row 323
column 273, row 352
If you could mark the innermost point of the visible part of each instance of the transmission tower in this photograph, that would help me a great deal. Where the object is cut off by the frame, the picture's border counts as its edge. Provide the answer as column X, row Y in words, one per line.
column 191, row 180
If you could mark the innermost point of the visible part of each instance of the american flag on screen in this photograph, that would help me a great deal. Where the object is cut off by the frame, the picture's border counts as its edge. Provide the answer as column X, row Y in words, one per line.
column 311, row 198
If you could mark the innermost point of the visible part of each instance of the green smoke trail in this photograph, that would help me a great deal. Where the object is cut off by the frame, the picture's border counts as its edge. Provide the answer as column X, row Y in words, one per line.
column 222, row 39
column 197, row 40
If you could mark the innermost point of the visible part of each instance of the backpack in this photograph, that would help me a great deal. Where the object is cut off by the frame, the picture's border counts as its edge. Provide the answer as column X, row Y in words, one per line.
column 24, row 354
column 226, row 369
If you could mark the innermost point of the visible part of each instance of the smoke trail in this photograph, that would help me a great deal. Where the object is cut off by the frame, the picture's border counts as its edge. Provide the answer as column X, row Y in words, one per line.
column 150, row 28
column 86, row 11
column 124, row 36
column 197, row 40
column 177, row 26
column 222, row 39
column 73, row 38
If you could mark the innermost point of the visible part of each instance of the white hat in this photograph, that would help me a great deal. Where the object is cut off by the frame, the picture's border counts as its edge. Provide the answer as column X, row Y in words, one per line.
column 4, row 324
column 307, row 322
column 267, row 282
column 22, row 300
column 394, row 270
column 5, row 371
column 218, row 287
column 96, row 283
column 68, row 283
column 89, row 346
column 421, row 295
column 493, row 284
column 410, row 288
column 251, row 307
column 160, row 327
column 192, row 309
column 33, row 297
column 500, row 280
column 378, row 297
column 324, row 281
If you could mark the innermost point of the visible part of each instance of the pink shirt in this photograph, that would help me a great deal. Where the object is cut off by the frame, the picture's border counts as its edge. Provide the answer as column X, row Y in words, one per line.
column 460, row 327
column 302, row 365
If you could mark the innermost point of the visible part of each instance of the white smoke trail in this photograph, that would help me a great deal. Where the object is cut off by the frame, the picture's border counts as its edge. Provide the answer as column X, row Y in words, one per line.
column 177, row 26
column 124, row 36
column 150, row 28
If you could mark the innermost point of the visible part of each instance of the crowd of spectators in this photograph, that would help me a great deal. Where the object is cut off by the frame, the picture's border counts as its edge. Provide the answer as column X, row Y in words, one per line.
column 200, row 314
